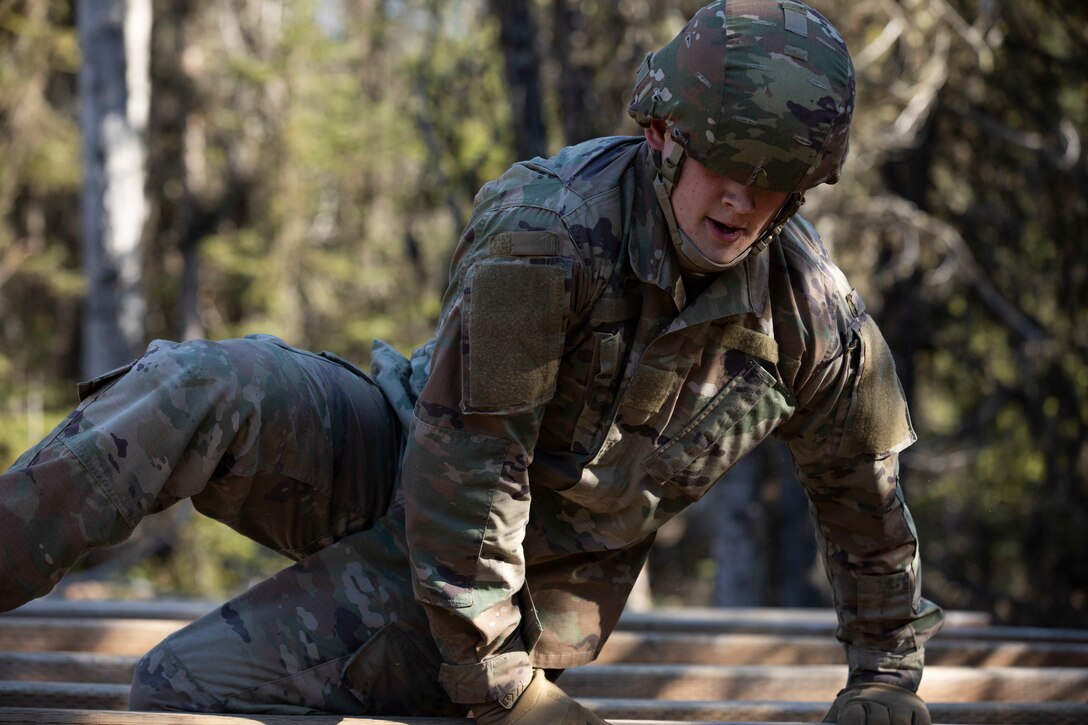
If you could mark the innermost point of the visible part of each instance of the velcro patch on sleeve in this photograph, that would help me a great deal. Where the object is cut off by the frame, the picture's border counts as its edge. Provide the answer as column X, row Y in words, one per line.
column 523, row 244
column 879, row 421
column 515, row 322
column 754, row 343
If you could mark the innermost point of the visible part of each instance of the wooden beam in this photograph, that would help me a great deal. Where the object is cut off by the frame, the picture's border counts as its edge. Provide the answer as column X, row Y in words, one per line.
column 64, row 695
column 811, row 683
column 1006, row 713
column 40, row 716
column 769, row 649
column 114, row 636
column 184, row 609
column 617, row 711
column 768, row 618
column 626, row 649
column 820, row 622
column 819, row 683
column 74, row 667
column 44, row 716
column 136, row 636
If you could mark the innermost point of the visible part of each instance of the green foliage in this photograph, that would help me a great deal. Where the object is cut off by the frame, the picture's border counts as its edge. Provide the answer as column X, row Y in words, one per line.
column 979, row 285
column 312, row 178
column 207, row 560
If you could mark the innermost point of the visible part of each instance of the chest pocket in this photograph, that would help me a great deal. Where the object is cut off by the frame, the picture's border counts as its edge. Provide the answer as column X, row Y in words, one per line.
column 613, row 321
column 730, row 425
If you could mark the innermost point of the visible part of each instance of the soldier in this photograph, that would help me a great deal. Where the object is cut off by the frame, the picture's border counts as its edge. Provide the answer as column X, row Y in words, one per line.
column 625, row 321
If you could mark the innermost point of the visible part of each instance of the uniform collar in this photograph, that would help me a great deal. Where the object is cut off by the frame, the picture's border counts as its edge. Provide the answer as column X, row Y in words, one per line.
column 736, row 291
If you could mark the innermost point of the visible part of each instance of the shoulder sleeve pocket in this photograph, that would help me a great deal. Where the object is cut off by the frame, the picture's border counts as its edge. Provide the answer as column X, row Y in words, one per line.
column 515, row 320
column 878, row 421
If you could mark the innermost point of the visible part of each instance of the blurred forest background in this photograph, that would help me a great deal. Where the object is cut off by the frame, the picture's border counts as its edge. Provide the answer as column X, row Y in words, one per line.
column 178, row 169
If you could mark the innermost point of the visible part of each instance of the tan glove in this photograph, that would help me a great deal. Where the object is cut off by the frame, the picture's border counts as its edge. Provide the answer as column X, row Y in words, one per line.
column 877, row 703
column 542, row 703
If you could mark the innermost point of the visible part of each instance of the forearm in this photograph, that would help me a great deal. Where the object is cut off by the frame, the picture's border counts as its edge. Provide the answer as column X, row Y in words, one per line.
column 871, row 553
column 465, row 516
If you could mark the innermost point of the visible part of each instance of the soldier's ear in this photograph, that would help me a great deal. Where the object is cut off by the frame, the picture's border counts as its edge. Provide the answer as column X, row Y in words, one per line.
column 655, row 135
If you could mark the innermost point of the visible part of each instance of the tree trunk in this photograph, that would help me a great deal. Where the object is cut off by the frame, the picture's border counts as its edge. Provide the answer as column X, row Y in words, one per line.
column 575, row 78
column 114, row 91
column 741, row 572
column 517, row 35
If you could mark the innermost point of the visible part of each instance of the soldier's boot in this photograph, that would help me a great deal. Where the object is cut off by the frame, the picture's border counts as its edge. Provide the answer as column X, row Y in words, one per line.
column 260, row 435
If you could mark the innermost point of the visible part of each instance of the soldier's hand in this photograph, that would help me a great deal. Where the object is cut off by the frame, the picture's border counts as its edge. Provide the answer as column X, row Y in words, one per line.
column 542, row 703
column 877, row 703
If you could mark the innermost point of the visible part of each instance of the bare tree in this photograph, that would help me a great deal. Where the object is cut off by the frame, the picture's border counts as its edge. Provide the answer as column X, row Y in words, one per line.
column 517, row 36
column 114, row 89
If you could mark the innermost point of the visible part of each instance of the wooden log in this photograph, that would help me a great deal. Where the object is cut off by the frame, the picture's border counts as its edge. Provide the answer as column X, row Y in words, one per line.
column 136, row 636
column 769, row 649
column 683, row 681
column 44, row 716
column 87, row 717
column 184, row 609
column 75, row 667
column 707, row 618
column 113, row 636
column 617, row 712
column 1006, row 713
column 769, row 618
column 820, row 622
column 819, row 683
column 64, row 695
column 810, row 683
column 118, row 670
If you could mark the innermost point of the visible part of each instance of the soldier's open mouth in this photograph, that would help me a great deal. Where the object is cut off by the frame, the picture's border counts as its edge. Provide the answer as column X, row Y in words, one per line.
column 724, row 228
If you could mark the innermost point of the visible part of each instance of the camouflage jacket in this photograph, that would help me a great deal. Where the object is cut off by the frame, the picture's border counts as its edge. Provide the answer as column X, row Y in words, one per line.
column 575, row 398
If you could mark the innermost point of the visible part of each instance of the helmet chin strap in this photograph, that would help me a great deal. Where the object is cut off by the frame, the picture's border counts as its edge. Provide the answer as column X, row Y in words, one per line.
column 692, row 258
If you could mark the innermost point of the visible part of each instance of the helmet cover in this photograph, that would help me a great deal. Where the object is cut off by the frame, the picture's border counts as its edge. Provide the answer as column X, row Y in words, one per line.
column 759, row 91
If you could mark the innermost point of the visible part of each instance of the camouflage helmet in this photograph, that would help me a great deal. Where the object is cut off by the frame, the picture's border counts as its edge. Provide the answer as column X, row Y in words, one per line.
column 759, row 91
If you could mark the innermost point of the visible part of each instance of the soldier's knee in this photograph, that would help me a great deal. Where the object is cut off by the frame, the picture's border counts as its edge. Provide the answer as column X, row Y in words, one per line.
column 198, row 372
column 161, row 682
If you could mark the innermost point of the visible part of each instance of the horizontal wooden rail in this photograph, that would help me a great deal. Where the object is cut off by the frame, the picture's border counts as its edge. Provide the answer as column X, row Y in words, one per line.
column 732, row 711
column 819, row 683
column 87, row 717
column 819, row 622
column 64, row 695
column 769, row 649
column 615, row 710
column 109, row 636
column 136, row 636
column 44, row 716
column 184, row 609
column 70, row 662
column 703, row 618
column 102, row 682
column 663, row 681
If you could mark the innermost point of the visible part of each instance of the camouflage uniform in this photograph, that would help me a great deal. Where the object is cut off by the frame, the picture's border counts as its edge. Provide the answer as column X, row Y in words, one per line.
column 576, row 396
column 575, row 399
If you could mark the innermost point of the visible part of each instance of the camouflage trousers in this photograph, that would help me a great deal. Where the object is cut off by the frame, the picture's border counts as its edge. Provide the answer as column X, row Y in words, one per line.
column 296, row 450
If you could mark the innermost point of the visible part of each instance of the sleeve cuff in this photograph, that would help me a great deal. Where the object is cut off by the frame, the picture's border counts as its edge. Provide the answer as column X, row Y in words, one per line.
column 487, row 681
column 874, row 666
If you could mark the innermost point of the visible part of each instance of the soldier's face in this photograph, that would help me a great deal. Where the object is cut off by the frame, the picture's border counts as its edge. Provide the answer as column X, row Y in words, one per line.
column 722, row 217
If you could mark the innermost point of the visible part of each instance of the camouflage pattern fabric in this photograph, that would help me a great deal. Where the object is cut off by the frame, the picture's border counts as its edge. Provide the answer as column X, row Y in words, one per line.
column 336, row 632
column 291, row 448
column 528, row 494
column 760, row 92
column 488, row 511
column 532, row 494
